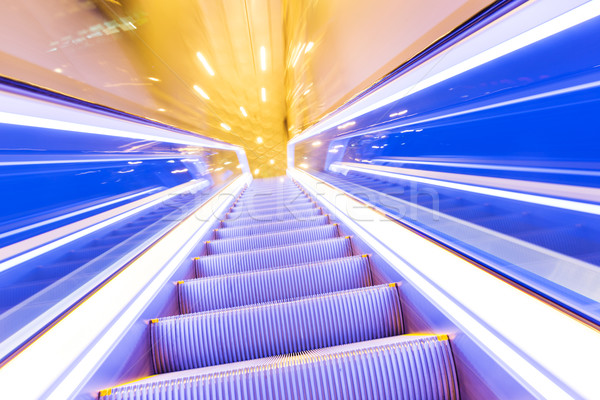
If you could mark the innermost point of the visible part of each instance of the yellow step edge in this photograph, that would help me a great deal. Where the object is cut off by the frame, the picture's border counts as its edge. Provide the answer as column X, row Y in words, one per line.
column 392, row 284
column 441, row 338
column 365, row 256
column 105, row 392
column 180, row 282
column 154, row 320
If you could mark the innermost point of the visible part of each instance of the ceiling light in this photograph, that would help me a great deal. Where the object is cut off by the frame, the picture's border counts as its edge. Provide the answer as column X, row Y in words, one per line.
column 153, row 79
column 308, row 47
column 272, row 162
column 307, row 92
column 298, row 55
column 202, row 92
column 161, row 110
column 132, row 25
column 316, row 143
column 205, row 63
column 263, row 94
column 263, row 58
column 259, row 140
column 225, row 126
column 58, row 70
column 243, row 110
column 256, row 171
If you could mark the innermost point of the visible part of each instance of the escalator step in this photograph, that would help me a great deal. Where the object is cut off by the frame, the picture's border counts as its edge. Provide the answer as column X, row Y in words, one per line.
column 269, row 201
column 245, row 333
column 205, row 294
column 272, row 239
column 262, row 228
column 237, row 212
column 221, row 264
column 258, row 219
column 401, row 367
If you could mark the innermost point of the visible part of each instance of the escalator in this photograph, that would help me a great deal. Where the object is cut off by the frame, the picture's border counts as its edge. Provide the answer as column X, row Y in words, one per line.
column 283, row 306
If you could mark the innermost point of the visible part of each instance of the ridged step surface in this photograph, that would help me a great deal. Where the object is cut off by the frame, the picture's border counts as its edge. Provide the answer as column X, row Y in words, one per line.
column 266, row 227
column 261, row 219
column 221, row 264
column 272, row 239
column 205, row 294
column 245, row 333
column 409, row 367
column 265, row 200
column 237, row 212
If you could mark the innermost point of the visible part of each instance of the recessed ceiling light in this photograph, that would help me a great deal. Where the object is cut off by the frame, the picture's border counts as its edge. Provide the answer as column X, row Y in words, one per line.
column 272, row 162
column 153, row 79
column 263, row 94
column 263, row 58
column 202, row 92
column 308, row 47
column 161, row 110
column 256, row 171
column 225, row 126
column 259, row 140
column 205, row 63
column 243, row 110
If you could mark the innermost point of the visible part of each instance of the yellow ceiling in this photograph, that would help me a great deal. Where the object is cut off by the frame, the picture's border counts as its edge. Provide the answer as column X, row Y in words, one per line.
column 142, row 56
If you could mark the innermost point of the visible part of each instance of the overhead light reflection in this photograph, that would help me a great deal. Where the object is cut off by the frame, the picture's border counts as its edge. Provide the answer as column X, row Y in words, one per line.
column 308, row 47
column 399, row 113
column 272, row 162
column 263, row 94
column 259, row 140
column 179, row 171
column 243, row 110
column 225, row 126
column 346, row 125
column 256, row 171
column 316, row 143
column 153, row 79
column 205, row 63
column 202, row 92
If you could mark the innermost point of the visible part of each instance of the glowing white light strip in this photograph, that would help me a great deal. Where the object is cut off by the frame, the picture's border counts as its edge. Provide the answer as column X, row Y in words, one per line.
column 205, row 63
column 46, row 123
column 71, row 350
column 74, row 236
column 529, row 198
column 74, row 213
column 201, row 92
column 517, row 329
column 263, row 58
column 243, row 111
column 556, row 25
column 263, row 94
column 489, row 166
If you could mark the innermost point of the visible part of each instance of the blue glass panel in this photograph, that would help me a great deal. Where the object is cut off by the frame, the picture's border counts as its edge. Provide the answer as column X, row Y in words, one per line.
column 499, row 162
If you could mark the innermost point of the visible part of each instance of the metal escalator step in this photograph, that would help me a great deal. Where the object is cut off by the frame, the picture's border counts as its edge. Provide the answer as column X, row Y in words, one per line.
column 399, row 367
column 272, row 191
column 276, row 239
column 262, row 228
column 257, row 219
column 205, row 294
column 245, row 333
column 272, row 203
column 267, row 199
column 222, row 264
column 241, row 211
